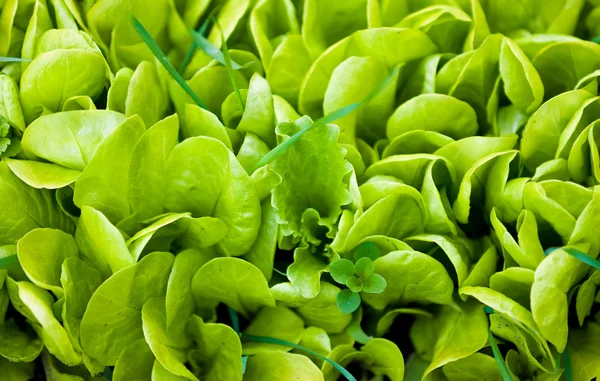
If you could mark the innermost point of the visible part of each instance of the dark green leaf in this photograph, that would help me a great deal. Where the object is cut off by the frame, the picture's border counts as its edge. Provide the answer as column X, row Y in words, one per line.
column 341, row 270
column 347, row 301
column 8, row 262
column 364, row 266
column 354, row 284
column 367, row 249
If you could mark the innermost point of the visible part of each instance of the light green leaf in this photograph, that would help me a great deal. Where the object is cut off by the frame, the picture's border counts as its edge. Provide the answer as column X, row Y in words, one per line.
column 219, row 350
column 232, row 281
column 459, row 120
column 137, row 361
column 179, row 301
column 113, row 318
column 25, row 208
column 259, row 115
column 262, row 253
column 276, row 322
column 147, row 169
column 281, row 366
column 378, row 220
column 585, row 358
column 322, row 311
column 79, row 282
column 154, row 319
column 17, row 345
column 100, row 243
column 305, row 272
column 557, row 273
column 47, row 82
column 42, row 175
column 204, row 178
column 104, row 182
column 146, row 96
column 41, row 254
column 36, row 304
column 200, row 122
column 515, row 283
column 70, row 138
column 313, row 169
column 425, row 280
column 458, row 334
column 522, row 83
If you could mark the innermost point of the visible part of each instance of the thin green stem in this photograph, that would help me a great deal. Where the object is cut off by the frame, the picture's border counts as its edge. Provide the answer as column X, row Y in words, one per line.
column 162, row 58
column 201, row 31
column 270, row 340
column 499, row 359
column 337, row 114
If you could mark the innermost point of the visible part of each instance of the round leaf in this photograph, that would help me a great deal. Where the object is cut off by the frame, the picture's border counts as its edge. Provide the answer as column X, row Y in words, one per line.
column 348, row 301
column 364, row 267
column 341, row 270
column 374, row 284
column 367, row 249
column 354, row 284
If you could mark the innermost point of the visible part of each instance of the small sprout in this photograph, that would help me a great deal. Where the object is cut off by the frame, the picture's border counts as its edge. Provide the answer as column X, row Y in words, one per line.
column 358, row 277
column 364, row 266
column 341, row 270
column 354, row 284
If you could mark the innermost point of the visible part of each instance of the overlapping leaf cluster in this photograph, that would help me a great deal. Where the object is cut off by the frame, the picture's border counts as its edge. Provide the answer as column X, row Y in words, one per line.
column 135, row 211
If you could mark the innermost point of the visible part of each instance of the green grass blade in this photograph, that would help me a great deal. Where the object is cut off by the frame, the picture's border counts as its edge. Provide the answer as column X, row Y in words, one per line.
column 337, row 114
column 235, row 320
column 577, row 254
column 229, row 65
column 244, row 363
column 14, row 59
column 202, row 31
column 583, row 257
column 213, row 52
column 158, row 53
column 8, row 262
column 499, row 359
column 270, row 340
column 568, row 369
column 558, row 362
